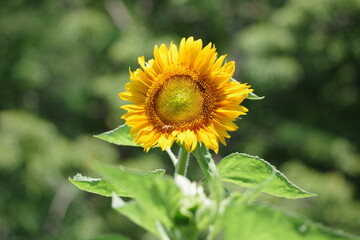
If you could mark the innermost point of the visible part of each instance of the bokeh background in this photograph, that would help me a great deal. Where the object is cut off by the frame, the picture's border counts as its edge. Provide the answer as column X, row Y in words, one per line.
column 62, row 64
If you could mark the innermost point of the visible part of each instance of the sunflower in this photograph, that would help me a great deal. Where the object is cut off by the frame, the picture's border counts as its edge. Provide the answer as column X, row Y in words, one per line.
column 183, row 95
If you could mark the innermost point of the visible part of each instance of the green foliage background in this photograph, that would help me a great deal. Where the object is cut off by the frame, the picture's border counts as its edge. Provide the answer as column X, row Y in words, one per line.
column 62, row 64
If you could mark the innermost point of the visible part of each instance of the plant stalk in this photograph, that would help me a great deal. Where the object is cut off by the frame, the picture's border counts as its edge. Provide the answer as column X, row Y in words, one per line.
column 206, row 163
column 182, row 163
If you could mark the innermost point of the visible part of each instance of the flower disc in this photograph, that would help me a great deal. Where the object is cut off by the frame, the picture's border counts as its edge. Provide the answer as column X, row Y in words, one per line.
column 183, row 95
column 179, row 101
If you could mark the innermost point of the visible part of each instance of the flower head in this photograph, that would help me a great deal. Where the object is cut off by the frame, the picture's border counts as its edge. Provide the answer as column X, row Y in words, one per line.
column 183, row 95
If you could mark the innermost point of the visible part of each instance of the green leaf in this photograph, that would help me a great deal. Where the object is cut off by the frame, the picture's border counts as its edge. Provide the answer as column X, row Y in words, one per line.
column 156, row 172
column 158, row 196
column 253, row 172
column 253, row 96
column 111, row 237
column 256, row 222
column 99, row 186
column 119, row 136
column 105, row 187
column 136, row 213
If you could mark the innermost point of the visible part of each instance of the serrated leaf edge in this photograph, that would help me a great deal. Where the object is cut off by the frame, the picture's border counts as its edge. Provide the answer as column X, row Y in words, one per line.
column 276, row 171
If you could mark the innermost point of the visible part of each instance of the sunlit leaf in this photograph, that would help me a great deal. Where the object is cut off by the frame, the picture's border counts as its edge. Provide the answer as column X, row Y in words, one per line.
column 156, row 172
column 264, row 223
column 254, row 172
column 105, row 187
column 253, row 96
column 99, row 186
column 157, row 196
column 119, row 136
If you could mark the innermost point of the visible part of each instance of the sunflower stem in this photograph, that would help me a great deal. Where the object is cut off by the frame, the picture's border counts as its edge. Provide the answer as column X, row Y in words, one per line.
column 206, row 162
column 182, row 163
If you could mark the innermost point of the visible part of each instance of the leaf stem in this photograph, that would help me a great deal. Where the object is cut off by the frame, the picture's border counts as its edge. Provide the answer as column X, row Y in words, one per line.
column 206, row 163
column 172, row 156
column 182, row 163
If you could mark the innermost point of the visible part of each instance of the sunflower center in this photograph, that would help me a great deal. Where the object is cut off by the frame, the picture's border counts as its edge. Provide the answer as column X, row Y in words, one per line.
column 180, row 100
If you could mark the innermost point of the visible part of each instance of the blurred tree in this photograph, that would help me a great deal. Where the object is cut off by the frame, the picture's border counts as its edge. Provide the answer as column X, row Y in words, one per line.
column 305, row 58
